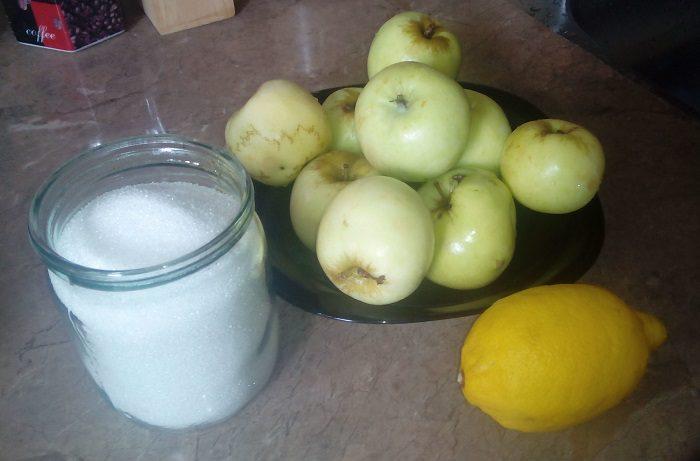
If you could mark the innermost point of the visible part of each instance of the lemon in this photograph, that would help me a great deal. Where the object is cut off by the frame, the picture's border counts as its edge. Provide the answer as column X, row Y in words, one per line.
column 554, row 356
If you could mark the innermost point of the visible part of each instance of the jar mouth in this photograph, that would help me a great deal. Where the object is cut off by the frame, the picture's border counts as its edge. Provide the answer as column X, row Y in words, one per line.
column 114, row 160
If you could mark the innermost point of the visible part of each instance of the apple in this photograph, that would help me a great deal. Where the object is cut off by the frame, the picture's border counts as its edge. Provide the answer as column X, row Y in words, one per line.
column 412, row 121
column 474, row 222
column 340, row 111
column 552, row 166
column 412, row 36
column 317, row 185
column 278, row 130
column 488, row 130
column 375, row 241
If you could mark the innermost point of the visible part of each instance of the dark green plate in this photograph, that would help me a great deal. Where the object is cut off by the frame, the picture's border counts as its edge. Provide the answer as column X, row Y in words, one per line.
column 549, row 249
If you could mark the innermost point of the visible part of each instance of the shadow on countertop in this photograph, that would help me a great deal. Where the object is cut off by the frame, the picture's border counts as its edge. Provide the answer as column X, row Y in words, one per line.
column 657, row 43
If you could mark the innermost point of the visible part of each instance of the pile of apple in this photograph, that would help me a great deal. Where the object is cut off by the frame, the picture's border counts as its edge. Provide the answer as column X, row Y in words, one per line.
column 399, row 180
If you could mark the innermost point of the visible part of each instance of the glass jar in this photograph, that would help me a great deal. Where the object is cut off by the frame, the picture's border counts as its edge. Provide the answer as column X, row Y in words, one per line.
column 173, row 343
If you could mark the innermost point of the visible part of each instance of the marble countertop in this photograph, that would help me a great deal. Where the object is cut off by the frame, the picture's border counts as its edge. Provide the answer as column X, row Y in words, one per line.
column 343, row 391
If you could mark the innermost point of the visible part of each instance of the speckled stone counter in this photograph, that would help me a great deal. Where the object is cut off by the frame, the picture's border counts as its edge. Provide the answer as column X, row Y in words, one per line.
column 343, row 391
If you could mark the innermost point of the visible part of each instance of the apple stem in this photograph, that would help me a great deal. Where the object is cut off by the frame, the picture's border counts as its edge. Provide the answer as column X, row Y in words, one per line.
column 444, row 204
column 346, row 172
column 429, row 30
column 458, row 178
column 358, row 271
column 348, row 108
column 400, row 101
column 438, row 186
column 363, row 273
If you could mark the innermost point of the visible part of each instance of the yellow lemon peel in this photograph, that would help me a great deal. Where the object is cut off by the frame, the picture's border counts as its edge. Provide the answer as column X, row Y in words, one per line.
column 550, row 357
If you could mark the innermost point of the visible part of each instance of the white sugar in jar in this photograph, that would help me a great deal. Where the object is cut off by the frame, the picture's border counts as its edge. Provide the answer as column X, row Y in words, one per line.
column 156, row 254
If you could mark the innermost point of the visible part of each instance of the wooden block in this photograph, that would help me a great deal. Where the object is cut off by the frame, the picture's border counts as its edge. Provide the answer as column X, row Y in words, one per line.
column 170, row 16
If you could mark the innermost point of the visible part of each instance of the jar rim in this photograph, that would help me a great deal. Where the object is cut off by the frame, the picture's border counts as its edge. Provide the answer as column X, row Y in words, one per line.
column 158, row 274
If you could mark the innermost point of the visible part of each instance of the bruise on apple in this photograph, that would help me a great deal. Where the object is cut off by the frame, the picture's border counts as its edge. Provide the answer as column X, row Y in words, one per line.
column 348, row 108
column 425, row 30
column 499, row 263
column 345, row 99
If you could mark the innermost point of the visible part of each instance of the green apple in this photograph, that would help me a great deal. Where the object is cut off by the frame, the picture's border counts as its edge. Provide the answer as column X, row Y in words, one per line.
column 412, row 121
column 375, row 241
column 412, row 36
column 474, row 217
column 488, row 130
column 552, row 166
column 340, row 111
column 278, row 130
column 317, row 185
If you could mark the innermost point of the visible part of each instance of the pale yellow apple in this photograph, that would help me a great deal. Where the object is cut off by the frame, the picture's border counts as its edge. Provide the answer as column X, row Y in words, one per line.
column 552, row 166
column 488, row 130
column 317, row 185
column 279, row 129
column 413, row 36
column 340, row 111
column 412, row 121
column 375, row 241
column 474, row 217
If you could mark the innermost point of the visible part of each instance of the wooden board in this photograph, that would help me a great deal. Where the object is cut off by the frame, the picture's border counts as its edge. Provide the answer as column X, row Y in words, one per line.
column 170, row 16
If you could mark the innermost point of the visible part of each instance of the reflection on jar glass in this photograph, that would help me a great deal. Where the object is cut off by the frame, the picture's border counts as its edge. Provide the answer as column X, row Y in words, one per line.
column 156, row 254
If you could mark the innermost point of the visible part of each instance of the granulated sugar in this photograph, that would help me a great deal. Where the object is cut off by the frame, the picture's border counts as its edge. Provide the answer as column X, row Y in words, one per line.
column 143, row 225
column 188, row 352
